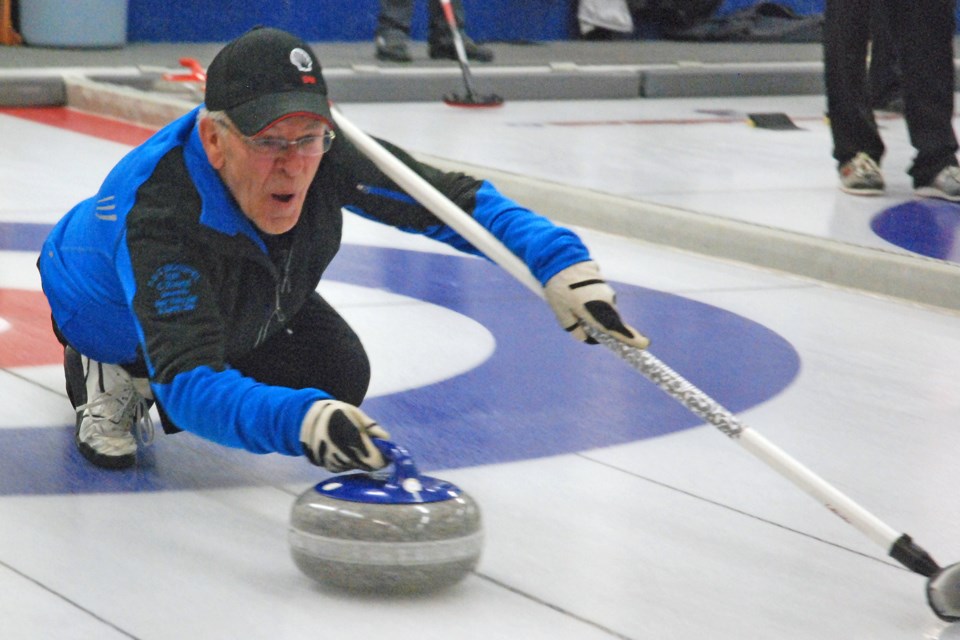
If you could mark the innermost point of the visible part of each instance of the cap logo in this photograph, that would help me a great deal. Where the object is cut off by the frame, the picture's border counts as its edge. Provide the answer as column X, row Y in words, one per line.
column 301, row 60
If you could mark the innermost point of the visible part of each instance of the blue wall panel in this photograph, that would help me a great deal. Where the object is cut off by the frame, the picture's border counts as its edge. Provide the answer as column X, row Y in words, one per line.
column 354, row 20
column 337, row 20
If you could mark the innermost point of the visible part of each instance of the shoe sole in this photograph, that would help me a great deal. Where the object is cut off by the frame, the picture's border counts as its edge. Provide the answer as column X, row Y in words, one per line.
column 862, row 192
column 106, row 462
column 927, row 192
column 389, row 57
column 100, row 460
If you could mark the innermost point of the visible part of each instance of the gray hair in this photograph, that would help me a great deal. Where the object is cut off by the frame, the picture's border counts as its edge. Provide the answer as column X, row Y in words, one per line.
column 216, row 116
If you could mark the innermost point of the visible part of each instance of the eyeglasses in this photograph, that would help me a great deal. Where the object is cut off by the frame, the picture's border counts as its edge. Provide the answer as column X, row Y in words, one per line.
column 275, row 147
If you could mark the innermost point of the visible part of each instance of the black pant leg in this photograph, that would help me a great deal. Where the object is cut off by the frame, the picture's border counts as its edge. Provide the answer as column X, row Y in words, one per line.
column 395, row 15
column 845, row 39
column 923, row 31
column 884, row 72
column 317, row 349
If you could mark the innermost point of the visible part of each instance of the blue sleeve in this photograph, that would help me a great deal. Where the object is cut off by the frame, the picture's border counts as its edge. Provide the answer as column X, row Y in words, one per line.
column 250, row 415
column 544, row 247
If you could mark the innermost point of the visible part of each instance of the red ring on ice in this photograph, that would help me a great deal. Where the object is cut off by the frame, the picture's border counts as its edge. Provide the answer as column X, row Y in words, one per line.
column 26, row 336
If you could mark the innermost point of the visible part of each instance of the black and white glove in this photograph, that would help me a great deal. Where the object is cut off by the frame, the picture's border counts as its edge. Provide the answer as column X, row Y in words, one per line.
column 579, row 293
column 338, row 436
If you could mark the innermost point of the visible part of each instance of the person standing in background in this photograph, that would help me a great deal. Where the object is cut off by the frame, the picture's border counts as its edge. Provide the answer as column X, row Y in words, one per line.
column 393, row 32
column 922, row 33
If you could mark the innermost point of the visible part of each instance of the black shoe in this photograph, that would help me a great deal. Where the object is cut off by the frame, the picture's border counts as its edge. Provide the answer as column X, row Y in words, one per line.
column 446, row 51
column 599, row 34
column 392, row 50
column 893, row 105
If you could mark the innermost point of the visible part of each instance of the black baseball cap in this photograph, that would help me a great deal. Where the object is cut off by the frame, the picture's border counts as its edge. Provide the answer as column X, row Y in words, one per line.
column 266, row 75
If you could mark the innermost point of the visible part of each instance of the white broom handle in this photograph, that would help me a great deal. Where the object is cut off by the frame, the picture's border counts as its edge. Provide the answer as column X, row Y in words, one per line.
column 640, row 359
column 711, row 411
column 437, row 203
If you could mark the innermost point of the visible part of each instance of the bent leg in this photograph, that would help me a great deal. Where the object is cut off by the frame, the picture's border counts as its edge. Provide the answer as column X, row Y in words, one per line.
column 317, row 349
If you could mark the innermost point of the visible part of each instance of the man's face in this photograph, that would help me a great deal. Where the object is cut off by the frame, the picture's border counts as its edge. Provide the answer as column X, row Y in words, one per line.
column 270, row 187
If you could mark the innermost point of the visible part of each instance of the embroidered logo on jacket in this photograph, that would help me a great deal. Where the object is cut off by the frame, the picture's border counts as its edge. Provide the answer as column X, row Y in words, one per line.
column 173, row 284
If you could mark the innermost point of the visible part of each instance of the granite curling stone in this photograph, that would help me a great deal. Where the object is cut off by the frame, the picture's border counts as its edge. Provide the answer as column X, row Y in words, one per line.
column 393, row 531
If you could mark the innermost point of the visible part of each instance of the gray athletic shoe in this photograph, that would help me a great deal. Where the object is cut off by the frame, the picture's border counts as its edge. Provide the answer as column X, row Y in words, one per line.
column 861, row 176
column 392, row 48
column 946, row 186
column 110, row 404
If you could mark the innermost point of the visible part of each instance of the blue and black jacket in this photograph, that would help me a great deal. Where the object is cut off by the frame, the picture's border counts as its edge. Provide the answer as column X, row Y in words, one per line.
column 162, row 268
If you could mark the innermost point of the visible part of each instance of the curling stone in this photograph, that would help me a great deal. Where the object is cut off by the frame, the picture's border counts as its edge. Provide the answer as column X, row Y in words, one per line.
column 391, row 531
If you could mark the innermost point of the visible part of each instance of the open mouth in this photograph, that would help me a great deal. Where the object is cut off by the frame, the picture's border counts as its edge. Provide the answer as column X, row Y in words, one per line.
column 282, row 197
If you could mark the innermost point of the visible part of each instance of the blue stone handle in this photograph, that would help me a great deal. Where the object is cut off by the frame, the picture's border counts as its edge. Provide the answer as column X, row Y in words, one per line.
column 403, row 465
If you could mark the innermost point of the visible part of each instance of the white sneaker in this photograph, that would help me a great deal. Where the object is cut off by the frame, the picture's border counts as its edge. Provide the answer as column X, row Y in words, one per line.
column 110, row 406
column 861, row 176
column 946, row 186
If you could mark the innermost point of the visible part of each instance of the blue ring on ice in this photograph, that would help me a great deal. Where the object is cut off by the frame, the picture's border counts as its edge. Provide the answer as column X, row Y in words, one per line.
column 540, row 393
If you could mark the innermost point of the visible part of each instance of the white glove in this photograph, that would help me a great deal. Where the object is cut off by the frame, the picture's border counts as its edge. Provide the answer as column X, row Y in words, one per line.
column 579, row 293
column 337, row 436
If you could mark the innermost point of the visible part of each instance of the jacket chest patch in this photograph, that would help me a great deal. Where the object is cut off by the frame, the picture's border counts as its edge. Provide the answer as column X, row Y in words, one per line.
column 173, row 288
